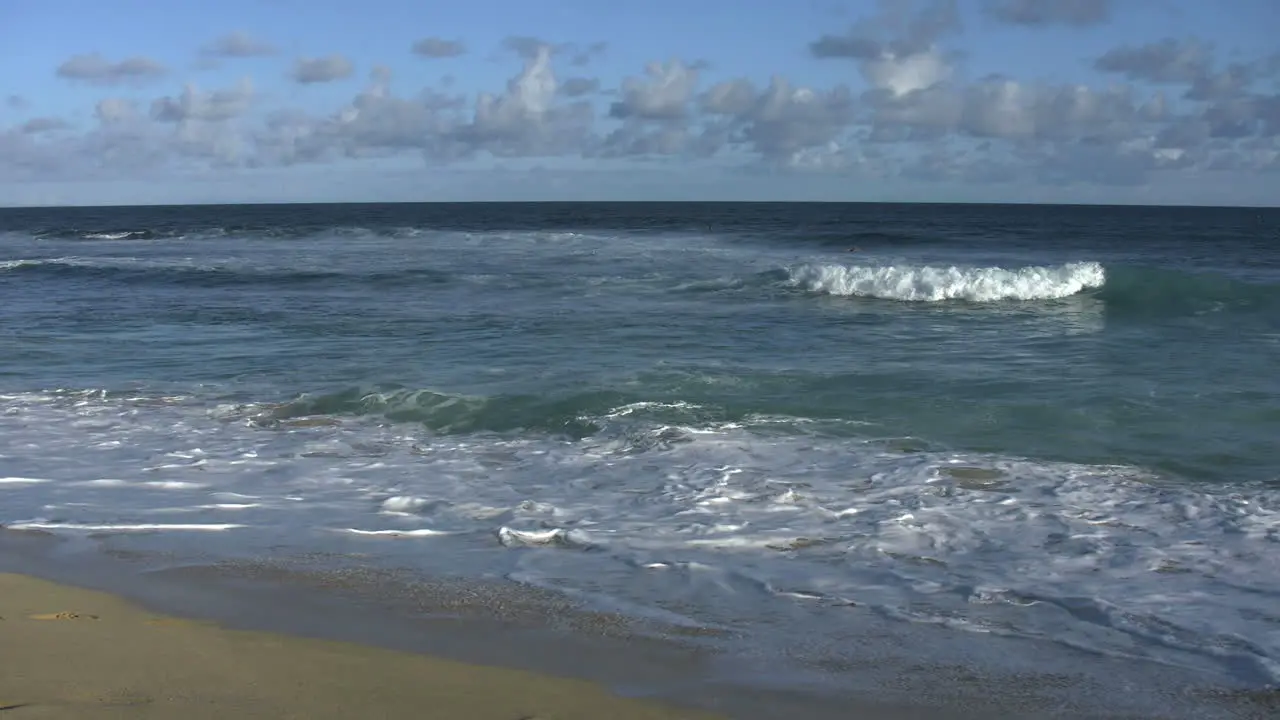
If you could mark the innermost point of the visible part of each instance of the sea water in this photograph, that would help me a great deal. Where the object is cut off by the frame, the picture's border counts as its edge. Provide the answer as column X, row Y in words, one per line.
column 1050, row 424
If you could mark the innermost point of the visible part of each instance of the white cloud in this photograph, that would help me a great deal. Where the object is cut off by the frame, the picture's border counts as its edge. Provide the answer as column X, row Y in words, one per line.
column 322, row 69
column 193, row 105
column 902, row 74
column 115, row 110
column 433, row 47
column 1166, row 61
column 38, row 125
column 94, row 68
column 902, row 106
column 237, row 44
column 663, row 94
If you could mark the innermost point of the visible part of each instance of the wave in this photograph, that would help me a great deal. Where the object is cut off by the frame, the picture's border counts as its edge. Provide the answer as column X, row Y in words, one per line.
column 1122, row 290
column 925, row 283
column 1140, row 291
column 1105, row 558
column 654, row 418
column 132, row 271
column 578, row 415
column 165, row 232
column 296, row 231
column 672, row 411
column 1147, row 291
column 117, row 235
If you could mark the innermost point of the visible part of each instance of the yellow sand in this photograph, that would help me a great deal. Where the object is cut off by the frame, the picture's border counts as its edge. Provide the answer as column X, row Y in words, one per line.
column 72, row 653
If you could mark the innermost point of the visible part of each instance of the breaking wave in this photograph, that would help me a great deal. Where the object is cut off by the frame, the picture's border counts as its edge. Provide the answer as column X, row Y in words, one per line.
column 935, row 284
column 117, row 235
column 1130, row 291
column 1109, row 559
column 1144, row 291
column 577, row 415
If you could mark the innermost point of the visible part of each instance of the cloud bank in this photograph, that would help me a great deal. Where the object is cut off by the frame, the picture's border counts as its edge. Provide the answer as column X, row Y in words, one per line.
column 1169, row 107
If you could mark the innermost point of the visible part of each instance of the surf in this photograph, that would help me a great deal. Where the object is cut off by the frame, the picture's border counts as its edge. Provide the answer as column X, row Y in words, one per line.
column 935, row 283
column 138, row 271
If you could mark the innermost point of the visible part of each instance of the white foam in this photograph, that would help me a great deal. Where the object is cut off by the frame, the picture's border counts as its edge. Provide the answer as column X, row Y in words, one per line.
column 557, row 537
column 925, row 283
column 405, row 505
column 419, row 532
column 159, row 263
column 15, row 264
column 173, row 484
column 1107, row 558
column 109, row 235
column 124, row 527
column 85, row 262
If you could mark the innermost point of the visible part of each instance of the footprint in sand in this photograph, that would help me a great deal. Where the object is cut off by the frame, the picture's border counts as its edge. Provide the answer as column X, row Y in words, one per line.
column 62, row 616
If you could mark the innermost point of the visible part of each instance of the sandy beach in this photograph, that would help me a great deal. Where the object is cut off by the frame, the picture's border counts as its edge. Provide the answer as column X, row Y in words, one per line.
column 75, row 653
column 88, row 634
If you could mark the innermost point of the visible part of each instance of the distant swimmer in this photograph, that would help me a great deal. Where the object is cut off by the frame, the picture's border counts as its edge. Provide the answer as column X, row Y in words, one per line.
column 855, row 248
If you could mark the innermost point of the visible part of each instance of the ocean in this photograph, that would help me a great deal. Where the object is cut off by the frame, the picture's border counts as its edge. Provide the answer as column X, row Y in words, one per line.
column 979, row 428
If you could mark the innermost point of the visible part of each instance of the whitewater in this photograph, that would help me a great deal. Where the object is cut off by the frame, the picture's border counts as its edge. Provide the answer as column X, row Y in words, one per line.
column 934, row 284
column 1040, row 448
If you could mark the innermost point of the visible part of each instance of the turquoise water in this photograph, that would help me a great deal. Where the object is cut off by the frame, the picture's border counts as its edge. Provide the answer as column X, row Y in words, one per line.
column 539, row 316
column 1055, row 407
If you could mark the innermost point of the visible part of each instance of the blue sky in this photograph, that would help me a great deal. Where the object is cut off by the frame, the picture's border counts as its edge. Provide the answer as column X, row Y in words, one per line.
column 1147, row 101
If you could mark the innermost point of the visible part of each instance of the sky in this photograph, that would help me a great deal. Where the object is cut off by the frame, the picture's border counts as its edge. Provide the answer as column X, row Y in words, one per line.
column 106, row 102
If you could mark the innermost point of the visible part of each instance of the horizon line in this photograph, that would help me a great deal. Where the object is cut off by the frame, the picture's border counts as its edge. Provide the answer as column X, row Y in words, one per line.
column 4, row 208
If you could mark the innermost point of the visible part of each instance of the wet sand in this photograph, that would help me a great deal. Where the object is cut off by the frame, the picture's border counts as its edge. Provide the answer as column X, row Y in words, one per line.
column 75, row 653
column 95, row 632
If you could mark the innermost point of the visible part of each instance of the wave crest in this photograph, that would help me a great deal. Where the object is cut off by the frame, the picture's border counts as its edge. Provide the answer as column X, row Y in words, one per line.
column 140, row 271
column 935, row 284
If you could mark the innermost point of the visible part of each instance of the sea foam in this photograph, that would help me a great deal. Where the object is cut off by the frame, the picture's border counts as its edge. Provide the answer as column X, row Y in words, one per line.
column 925, row 283
column 736, row 518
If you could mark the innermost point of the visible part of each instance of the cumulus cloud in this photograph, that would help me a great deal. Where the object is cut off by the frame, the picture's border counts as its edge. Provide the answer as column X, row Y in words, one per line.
column 237, row 44
column 524, row 121
column 1166, row 61
column 577, row 54
column 905, row 105
column 579, row 86
column 193, row 105
column 42, row 125
column 94, row 68
column 376, row 122
column 897, row 53
column 527, row 46
column 1226, row 104
column 655, row 111
column 664, row 93
column 781, row 122
column 322, row 69
column 433, row 47
column 1050, row 12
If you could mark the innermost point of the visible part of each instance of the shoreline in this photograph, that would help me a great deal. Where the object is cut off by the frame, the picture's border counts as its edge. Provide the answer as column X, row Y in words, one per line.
column 447, row 621
column 477, row 628
column 84, row 652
